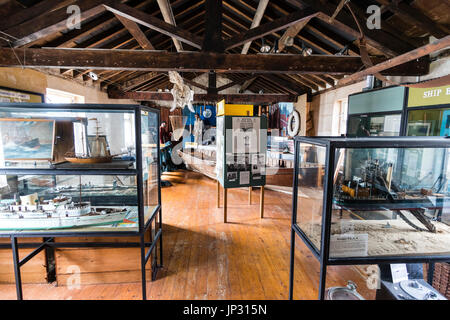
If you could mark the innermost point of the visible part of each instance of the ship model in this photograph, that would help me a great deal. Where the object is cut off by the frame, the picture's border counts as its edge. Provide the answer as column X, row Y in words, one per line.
column 93, row 149
column 59, row 213
column 375, row 189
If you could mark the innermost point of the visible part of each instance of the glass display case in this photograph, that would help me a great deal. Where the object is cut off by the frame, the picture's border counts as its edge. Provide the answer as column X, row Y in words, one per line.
column 72, row 170
column 372, row 200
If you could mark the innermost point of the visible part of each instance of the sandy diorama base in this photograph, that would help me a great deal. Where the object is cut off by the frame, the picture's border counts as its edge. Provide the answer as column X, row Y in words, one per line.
column 397, row 239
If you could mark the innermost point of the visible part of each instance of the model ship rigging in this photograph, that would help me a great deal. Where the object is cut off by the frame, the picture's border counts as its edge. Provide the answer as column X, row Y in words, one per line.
column 93, row 150
column 375, row 187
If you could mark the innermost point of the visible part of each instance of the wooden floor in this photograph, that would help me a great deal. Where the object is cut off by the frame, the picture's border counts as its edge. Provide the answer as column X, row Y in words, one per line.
column 247, row 258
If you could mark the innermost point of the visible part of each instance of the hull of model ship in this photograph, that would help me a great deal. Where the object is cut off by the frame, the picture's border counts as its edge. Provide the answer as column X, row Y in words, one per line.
column 61, row 223
column 89, row 160
column 397, row 204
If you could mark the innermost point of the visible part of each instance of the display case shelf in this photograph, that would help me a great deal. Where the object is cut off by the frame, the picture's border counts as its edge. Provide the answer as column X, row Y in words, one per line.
column 371, row 200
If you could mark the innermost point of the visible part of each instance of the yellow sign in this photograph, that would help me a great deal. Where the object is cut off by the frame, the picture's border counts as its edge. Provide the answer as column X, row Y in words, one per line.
column 225, row 109
column 419, row 97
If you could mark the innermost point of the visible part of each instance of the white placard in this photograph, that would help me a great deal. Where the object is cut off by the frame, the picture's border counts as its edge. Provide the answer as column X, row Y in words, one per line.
column 349, row 245
column 399, row 272
column 244, row 177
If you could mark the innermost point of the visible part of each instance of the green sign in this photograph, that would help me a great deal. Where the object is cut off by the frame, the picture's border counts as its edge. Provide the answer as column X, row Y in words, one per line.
column 419, row 97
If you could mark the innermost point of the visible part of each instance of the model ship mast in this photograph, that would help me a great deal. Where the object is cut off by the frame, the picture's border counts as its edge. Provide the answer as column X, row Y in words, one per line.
column 97, row 149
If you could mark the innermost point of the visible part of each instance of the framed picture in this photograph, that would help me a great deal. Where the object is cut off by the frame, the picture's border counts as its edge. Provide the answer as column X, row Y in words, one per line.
column 14, row 95
column 27, row 139
column 419, row 129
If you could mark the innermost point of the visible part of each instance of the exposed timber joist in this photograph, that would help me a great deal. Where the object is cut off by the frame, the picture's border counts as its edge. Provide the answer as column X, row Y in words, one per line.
column 53, row 21
column 151, row 22
column 132, row 83
column 416, row 17
column 38, row 9
column 229, row 98
column 140, row 60
column 270, row 27
column 236, row 82
column 213, row 27
column 256, row 21
column 136, row 32
column 291, row 32
column 400, row 60
column 166, row 11
column 378, row 39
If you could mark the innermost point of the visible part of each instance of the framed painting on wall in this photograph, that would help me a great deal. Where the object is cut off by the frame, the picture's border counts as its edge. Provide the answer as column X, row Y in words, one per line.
column 27, row 139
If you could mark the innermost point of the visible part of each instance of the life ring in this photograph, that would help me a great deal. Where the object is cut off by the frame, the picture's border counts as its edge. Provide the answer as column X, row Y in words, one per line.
column 293, row 128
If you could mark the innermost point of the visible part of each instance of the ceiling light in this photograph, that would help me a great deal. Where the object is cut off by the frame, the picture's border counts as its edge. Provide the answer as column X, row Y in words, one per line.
column 93, row 76
column 264, row 47
column 307, row 52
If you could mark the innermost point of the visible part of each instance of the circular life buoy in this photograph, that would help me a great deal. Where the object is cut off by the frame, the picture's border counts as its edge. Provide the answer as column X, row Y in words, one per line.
column 293, row 126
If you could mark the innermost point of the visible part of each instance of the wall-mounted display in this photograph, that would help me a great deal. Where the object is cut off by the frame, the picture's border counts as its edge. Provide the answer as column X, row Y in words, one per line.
column 373, row 200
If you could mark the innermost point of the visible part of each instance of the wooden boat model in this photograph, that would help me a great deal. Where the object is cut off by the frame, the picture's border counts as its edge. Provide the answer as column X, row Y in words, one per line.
column 95, row 149
column 87, row 160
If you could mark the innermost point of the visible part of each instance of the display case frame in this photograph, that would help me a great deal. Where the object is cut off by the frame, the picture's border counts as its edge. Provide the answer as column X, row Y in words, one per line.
column 331, row 144
column 148, row 248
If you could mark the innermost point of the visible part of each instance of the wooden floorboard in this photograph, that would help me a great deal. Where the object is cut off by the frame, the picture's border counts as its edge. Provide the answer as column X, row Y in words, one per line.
column 247, row 258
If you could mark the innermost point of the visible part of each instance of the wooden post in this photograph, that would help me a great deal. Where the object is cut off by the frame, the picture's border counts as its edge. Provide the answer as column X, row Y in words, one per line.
column 218, row 194
column 225, row 205
column 249, row 195
column 261, row 202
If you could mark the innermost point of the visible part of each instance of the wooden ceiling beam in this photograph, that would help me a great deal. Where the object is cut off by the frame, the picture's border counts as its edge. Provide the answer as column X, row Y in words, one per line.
column 414, row 16
column 291, row 32
column 9, row 21
column 168, row 17
column 235, row 82
column 378, row 39
column 256, row 21
column 194, row 61
column 270, row 27
column 285, row 83
column 212, row 41
column 247, row 84
column 132, row 83
column 229, row 98
column 304, row 81
column 399, row 60
column 53, row 22
column 151, row 22
column 136, row 32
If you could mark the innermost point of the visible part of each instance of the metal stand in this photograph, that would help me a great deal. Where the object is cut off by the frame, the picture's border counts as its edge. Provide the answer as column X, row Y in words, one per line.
column 49, row 245
column 225, row 200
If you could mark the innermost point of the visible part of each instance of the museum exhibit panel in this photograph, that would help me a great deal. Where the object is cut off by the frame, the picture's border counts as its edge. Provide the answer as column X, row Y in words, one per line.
column 241, row 144
column 375, row 200
column 80, row 170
